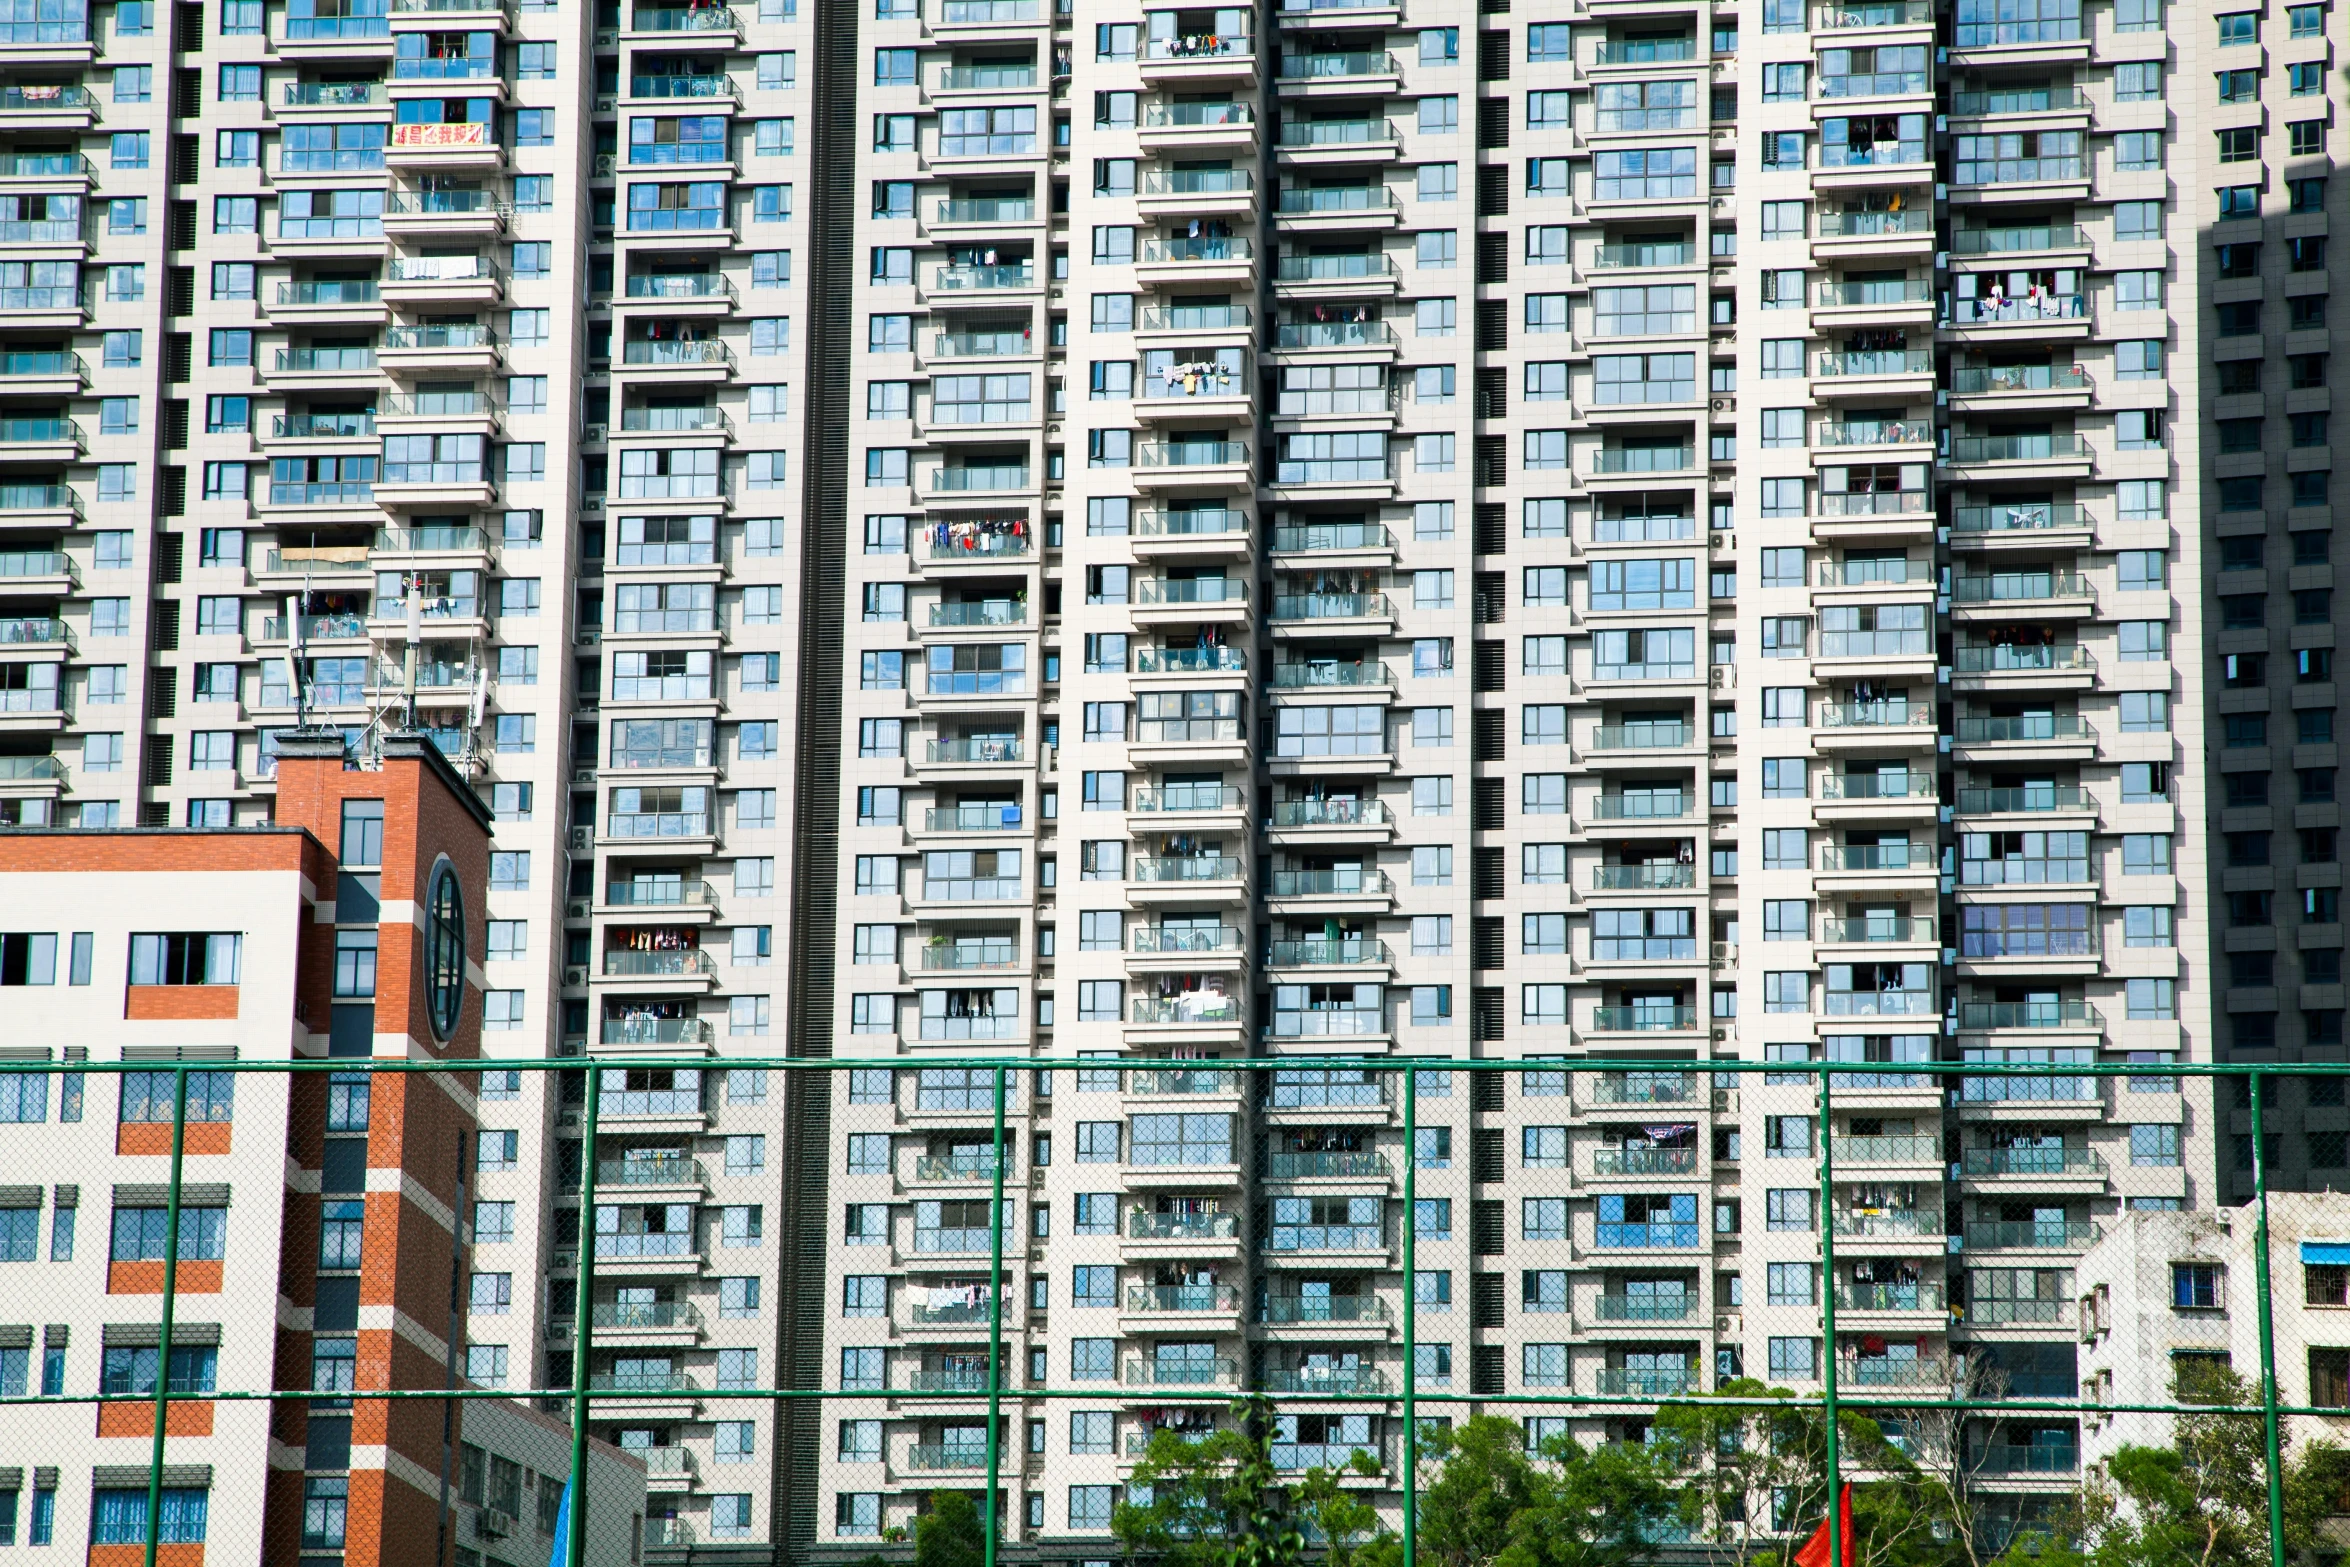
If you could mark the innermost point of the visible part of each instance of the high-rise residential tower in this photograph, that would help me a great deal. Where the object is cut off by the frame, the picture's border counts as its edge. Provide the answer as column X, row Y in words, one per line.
column 1631, row 531
column 1620, row 532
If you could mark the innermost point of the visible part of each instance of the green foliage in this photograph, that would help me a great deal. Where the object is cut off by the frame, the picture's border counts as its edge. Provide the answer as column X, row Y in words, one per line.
column 1494, row 1503
column 1217, row 1501
column 951, row 1534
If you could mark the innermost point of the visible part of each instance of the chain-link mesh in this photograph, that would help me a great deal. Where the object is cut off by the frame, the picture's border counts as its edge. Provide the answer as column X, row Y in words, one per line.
column 1125, row 1307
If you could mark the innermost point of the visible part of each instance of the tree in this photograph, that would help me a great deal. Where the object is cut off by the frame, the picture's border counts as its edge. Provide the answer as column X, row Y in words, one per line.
column 2203, row 1500
column 1737, row 1455
column 1217, row 1501
column 951, row 1533
column 1493, row 1504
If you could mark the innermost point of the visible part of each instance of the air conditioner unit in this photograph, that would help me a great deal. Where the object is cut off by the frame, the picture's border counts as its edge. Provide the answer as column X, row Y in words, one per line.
column 575, row 976
column 491, row 1524
column 576, row 909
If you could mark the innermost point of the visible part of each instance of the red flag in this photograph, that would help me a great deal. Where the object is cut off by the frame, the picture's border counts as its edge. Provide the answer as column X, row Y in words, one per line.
column 1815, row 1552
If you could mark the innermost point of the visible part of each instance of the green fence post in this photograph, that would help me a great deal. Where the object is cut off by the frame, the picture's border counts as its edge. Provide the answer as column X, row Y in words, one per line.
column 2268, row 1342
column 171, row 1279
column 1411, row 1291
column 995, row 1336
column 1836, row 1541
column 575, row 1545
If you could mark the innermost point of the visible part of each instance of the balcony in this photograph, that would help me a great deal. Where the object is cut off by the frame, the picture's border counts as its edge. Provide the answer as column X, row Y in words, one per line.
column 1895, row 1297
column 1643, row 1019
column 2039, row 1162
column 1323, row 1166
column 929, row 1457
column 1891, row 1371
column 1188, row 799
column 1645, row 1308
column 663, row 1170
column 1893, row 1148
column 1190, row 660
column 2003, row 658
column 1888, row 713
column 1142, row 1226
column 2033, row 1235
column 2058, row 447
column 2015, row 239
column 1889, row 1224
column 1323, row 1381
column 1332, row 606
column 950, row 1379
column 1874, row 432
column 33, row 631
column 1376, row 335
column 1619, row 460
column 2056, row 1014
column 1334, row 952
column 661, row 894
column 1875, row 362
column 1163, row 870
column 695, row 19
column 972, row 278
column 654, row 1031
column 1644, row 1161
column 1639, row 807
column 1652, row 736
column 1631, row 1382
column 1217, row 1372
column 1869, row 929
column 1191, row 1009
column 2019, row 517
column 1899, row 291
column 2005, row 312
column 1645, row 1088
column 652, row 1316
column 2025, row 798
column 1351, row 883
column 1183, row 1082
column 659, row 965
column 2017, row 1458
column 1652, row 877
column 2020, row 587
column 964, row 1164
column 2018, row 171
column 1319, row 1310
column 1358, row 69
column 970, row 752
column 2024, row 729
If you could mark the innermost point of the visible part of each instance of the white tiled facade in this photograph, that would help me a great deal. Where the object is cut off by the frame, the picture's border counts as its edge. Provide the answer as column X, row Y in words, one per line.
column 1625, row 531
column 469, row 334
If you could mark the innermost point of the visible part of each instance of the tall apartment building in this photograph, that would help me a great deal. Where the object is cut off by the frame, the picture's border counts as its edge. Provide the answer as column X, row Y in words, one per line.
column 1196, row 532
column 406, row 365
column 1625, row 531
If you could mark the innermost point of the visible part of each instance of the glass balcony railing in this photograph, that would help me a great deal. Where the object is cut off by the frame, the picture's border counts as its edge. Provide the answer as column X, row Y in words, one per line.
column 1897, row 1296
column 2027, row 797
column 1328, row 953
column 1888, row 1224
column 1891, row 1148
column 43, row 429
column 2019, row 517
column 679, row 285
column 1640, row 807
column 1886, row 713
column 1292, row 1309
column 2020, row 587
column 660, row 894
column 1643, row 1019
column 1333, row 334
column 1143, row 1226
column 2054, row 447
column 457, row 336
column 1645, row 51
column 2023, row 728
column 1188, row 797
column 1643, row 878
column 1874, row 432
column 1977, row 380
column 950, row 752
column 1884, row 361
column 1894, row 291
column 1331, row 606
column 45, row 98
column 1343, row 883
column 1996, row 1162
column 1865, row 928
column 1877, row 786
column 1187, row 1372
column 1189, row 660
column 1165, row 869
column 1336, row 812
column 660, row 1170
column 2046, row 307
column 2051, row 1013
column 657, row 965
column 2033, row 1235
column 1644, row 1161
column 2009, row 658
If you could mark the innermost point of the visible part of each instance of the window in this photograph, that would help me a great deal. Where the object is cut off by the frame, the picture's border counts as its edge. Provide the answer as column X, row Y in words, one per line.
column 2195, row 1286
